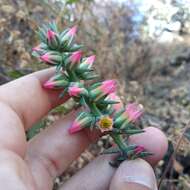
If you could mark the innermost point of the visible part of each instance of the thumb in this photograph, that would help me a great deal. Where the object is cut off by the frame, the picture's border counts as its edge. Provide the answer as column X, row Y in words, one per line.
column 134, row 175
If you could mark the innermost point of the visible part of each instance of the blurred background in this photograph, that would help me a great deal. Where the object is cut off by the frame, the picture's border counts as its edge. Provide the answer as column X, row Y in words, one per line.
column 143, row 44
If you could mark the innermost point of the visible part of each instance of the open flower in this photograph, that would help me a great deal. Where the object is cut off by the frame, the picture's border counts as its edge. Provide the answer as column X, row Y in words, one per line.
column 105, row 123
column 83, row 120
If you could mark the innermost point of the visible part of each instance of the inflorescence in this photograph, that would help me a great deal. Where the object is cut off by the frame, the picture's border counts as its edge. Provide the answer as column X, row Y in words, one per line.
column 101, row 106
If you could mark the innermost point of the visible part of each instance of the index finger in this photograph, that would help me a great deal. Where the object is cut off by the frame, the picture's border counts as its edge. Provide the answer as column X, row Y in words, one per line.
column 28, row 98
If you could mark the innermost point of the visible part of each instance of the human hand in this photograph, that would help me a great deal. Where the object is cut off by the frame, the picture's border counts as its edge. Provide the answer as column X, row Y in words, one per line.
column 33, row 165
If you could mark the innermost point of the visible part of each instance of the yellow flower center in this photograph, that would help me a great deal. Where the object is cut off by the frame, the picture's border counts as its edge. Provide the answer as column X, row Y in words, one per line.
column 105, row 123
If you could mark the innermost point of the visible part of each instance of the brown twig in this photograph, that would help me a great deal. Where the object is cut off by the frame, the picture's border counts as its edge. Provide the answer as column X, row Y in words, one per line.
column 173, row 155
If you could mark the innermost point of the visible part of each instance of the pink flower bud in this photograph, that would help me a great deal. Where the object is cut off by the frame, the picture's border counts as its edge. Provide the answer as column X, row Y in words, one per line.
column 37, row 48
column 50, row 35
column 74, row 91
column 48, row 85
column 52, row 39
column 46, row 58
column 134, row 112
column 131, row 113
column 72, row 31
column 54, row 84
column 86, row 63
column 102, row 89
column 67, row 38
column 108, row 86
column 75, row 127
column 139, row 149
column 58, row 81
column 76, row 56
column 83, row 120
column 51, row 58
column 90, row 60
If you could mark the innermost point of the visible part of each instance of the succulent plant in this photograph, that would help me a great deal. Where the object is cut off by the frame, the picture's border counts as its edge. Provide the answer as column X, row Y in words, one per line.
column 102, row 107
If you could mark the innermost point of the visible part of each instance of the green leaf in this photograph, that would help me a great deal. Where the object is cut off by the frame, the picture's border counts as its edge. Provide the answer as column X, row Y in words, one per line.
column 59, row 110
column 64, row 93
column 65, row 108
column 93, row 86
column 53, row 26
column 14, row 74
column 72, row 1
column 112, row 150
column 118, row 113
column 142, row 155
column 82, row 101
column 127, row 131
column 108, row 102
column 35, row 129
column 91, row 77
column 75, row 47
column 42, row 35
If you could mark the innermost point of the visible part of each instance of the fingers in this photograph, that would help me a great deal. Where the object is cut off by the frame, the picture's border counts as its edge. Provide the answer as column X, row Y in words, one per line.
column 12, row 135
column 95, row 176
column 22, row 103
column 14, row 173
column 27, row 97
column 53, row 150
column 134, row 175
column 154, row 141
column 98, row 174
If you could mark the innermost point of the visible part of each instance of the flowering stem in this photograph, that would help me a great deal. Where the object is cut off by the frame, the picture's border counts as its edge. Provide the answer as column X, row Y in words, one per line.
column 118, row 140
column 96, row 98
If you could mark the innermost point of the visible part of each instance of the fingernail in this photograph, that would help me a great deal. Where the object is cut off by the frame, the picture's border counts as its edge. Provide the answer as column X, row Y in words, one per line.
column 137, row 172
column 141, row 180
